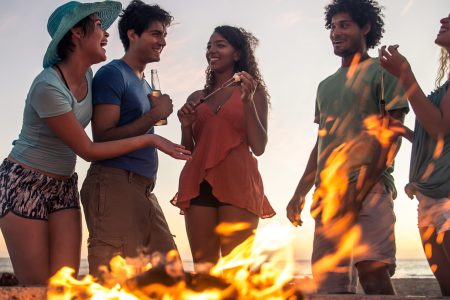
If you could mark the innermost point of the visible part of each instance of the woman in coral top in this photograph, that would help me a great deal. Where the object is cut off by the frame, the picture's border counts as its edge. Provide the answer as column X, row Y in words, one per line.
column 222, row 184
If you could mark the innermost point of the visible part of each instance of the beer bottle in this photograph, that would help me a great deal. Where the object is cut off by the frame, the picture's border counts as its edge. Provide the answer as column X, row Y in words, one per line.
column 156, row 92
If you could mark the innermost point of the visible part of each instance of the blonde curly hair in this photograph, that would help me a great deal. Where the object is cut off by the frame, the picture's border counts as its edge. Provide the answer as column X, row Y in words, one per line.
column 444, row 67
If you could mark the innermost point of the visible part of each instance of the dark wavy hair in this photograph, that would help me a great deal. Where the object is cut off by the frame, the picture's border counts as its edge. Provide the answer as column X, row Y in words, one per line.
column 362, row 12
column 245, row 43
column 138, row 16
column 65, row 46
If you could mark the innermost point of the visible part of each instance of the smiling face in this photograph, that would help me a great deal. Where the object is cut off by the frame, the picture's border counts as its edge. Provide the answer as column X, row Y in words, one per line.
column 150, row 43
column 443, row 37
column 220, row 54
column 94, row 42
column 346, row 36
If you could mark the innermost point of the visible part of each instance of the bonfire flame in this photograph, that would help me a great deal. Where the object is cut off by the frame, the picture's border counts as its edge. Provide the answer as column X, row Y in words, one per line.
column 262, row 267
column 259, row 268
column 338, row 199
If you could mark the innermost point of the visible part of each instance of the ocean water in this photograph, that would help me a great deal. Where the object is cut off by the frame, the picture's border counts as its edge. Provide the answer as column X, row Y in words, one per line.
column 406, row 268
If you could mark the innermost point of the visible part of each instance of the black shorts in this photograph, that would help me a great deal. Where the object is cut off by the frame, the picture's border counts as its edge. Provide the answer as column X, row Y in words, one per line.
column 206, row 198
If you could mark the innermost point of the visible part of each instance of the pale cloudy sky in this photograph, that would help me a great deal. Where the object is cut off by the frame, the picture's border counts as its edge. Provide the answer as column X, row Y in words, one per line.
column 295, row 54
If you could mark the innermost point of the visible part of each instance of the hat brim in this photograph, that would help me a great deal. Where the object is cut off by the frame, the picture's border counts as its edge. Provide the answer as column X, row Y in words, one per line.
column 107, row 11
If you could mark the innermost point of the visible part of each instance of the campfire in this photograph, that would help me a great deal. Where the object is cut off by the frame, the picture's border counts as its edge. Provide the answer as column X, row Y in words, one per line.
column 262, row 267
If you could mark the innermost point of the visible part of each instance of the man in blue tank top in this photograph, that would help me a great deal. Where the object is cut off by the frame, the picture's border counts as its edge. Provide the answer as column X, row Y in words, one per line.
column 122, row 214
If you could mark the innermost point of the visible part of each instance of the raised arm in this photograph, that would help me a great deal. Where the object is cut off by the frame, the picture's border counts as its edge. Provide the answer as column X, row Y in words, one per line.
column 435, row 120
column 187, row 115
column 255, row 110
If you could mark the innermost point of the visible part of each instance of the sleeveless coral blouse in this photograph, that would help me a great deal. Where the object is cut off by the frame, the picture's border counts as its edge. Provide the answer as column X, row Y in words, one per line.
column 223, row 158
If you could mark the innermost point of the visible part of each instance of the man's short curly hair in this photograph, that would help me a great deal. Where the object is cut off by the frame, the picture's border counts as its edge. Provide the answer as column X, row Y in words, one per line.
column 362, row 12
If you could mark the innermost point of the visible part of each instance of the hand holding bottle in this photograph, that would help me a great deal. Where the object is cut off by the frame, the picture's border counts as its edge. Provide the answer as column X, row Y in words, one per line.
column 158, row 101
column 162, row 107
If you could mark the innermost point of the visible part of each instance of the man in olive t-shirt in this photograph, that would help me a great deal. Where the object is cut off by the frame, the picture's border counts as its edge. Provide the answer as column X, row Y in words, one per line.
column 344, row 100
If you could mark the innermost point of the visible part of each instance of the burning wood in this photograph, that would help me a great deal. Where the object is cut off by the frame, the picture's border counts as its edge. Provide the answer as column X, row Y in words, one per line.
column 260, row 268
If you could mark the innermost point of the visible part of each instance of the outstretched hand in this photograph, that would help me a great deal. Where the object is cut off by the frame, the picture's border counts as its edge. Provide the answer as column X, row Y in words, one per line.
column 171, row 149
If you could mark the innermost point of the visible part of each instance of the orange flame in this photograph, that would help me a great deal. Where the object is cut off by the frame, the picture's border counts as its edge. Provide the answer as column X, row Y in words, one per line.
column 428, row 250
column 259, row 268
column 373, row 149
column 227, row 229
column 353, row 65
column 434, row 268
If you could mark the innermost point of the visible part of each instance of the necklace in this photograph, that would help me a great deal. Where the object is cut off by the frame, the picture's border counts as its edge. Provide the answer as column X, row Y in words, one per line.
column 62, row 76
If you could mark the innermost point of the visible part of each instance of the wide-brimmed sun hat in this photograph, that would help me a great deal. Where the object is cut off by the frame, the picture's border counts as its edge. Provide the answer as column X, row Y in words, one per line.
column 68, row 15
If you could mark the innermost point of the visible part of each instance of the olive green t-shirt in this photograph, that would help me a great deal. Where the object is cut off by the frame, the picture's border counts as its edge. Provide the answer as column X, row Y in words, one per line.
column 345, row 99
column 430, row 163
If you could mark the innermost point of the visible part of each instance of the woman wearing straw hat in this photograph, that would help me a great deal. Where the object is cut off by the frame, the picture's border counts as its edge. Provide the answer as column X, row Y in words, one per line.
column 39, row 202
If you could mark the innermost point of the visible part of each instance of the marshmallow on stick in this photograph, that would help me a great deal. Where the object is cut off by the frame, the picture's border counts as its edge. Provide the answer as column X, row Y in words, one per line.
column 236, row 78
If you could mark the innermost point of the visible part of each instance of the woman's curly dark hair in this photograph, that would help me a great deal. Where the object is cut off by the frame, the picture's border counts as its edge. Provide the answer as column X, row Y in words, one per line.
column 362, row 12
column 245, row 43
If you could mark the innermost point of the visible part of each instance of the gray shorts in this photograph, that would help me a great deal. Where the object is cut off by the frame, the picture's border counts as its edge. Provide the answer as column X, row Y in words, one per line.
column 433, row 212
column 31, row 194
column 123, row 216
column 376, row 220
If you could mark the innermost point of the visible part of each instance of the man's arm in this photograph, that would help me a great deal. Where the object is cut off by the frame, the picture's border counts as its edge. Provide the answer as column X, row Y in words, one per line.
column 106, row 117
column 295, row 205
column 399, row 115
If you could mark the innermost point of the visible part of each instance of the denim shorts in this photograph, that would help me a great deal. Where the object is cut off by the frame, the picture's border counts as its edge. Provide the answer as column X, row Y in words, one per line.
column 31, row 194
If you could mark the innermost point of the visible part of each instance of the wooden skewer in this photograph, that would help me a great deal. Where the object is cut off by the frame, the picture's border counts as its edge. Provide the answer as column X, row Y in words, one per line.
column 226, row 84
column 382, row 100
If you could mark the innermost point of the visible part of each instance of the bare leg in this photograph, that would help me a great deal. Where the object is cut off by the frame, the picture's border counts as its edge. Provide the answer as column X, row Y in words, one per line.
column 65, row 239
column 27, row 243
column 204, row 242
column 374, row 278
column 440, row 258
column 232, row 214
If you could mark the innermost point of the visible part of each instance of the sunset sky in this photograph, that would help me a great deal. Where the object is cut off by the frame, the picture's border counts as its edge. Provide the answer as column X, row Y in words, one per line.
column 294, row 55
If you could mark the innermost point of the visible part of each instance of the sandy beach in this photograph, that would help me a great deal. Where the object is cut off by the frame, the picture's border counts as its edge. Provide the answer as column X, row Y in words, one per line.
column 405, row 287
column 417, row 287
column 422, row 287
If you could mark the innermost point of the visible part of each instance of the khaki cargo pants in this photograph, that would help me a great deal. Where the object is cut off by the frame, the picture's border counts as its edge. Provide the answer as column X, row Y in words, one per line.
column 122, row 215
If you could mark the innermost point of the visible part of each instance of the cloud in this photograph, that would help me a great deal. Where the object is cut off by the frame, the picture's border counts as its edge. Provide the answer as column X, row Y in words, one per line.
column 8, row 23
column 407, row 7
column 294, row 18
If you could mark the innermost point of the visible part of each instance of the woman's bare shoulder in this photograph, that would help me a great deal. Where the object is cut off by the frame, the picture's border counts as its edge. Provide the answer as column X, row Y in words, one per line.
column 195, row 96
